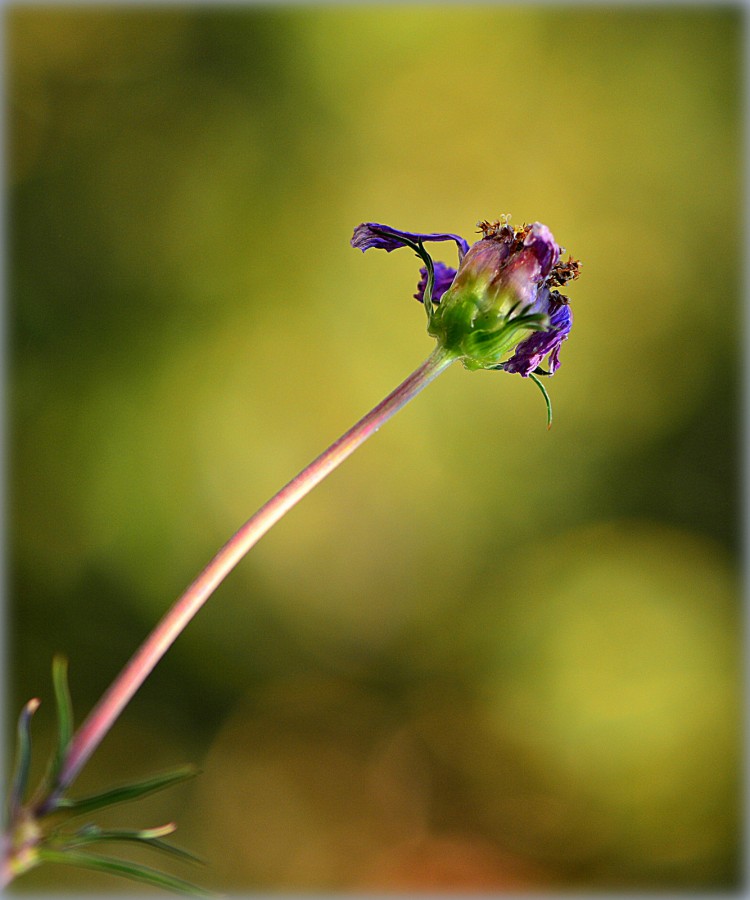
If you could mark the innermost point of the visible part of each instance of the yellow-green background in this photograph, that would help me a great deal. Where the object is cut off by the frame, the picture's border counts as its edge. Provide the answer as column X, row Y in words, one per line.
column 482, row 655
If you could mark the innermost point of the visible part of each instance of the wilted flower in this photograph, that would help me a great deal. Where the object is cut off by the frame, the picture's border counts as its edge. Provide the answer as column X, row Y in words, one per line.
column 501, row 299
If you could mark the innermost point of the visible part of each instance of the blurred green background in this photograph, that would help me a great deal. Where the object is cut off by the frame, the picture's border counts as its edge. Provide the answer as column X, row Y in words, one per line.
column 481, row 656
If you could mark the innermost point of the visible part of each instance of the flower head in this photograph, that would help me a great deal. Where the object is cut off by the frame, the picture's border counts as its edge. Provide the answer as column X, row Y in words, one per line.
column 498, row 309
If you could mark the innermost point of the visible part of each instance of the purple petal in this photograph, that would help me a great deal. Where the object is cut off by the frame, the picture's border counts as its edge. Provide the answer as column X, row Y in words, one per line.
column 543, row 246
column 444, row 276
column 531, row 351
column 383, row 237
column 520, row 270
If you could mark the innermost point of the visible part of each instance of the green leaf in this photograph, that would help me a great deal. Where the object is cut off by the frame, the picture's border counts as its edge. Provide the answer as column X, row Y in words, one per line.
column 126, row 792
column 124, row 869
column 64, row 717
column 90, row 834
column 23, row 759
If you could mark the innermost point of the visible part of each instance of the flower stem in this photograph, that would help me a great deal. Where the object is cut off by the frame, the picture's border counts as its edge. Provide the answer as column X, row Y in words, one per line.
column 104, row 714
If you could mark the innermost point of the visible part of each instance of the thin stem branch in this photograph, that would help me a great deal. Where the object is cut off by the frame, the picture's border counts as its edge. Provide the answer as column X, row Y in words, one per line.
column 104, row 714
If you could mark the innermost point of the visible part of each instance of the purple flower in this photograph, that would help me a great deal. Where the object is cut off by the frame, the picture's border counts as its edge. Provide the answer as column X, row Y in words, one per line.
column 499, row 300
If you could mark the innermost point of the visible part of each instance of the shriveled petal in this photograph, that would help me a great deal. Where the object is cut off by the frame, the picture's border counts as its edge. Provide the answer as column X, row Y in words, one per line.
column 444, row 276
column 543, row 246
column 370, row 235
column 531, row 351
column 528, row 267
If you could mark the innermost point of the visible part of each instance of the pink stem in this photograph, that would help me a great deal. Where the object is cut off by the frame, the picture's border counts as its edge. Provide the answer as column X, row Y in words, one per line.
column 104, row 714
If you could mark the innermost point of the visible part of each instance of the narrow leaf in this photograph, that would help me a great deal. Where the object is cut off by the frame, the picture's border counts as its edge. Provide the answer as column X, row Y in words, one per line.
column 64, row 716
column 124, row 869
column 23, row 759
column 148, row 836
column 126, row 792
column 92, row 831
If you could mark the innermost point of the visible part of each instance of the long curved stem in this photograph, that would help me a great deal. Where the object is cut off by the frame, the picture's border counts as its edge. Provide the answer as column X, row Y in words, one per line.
column 104, row 714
